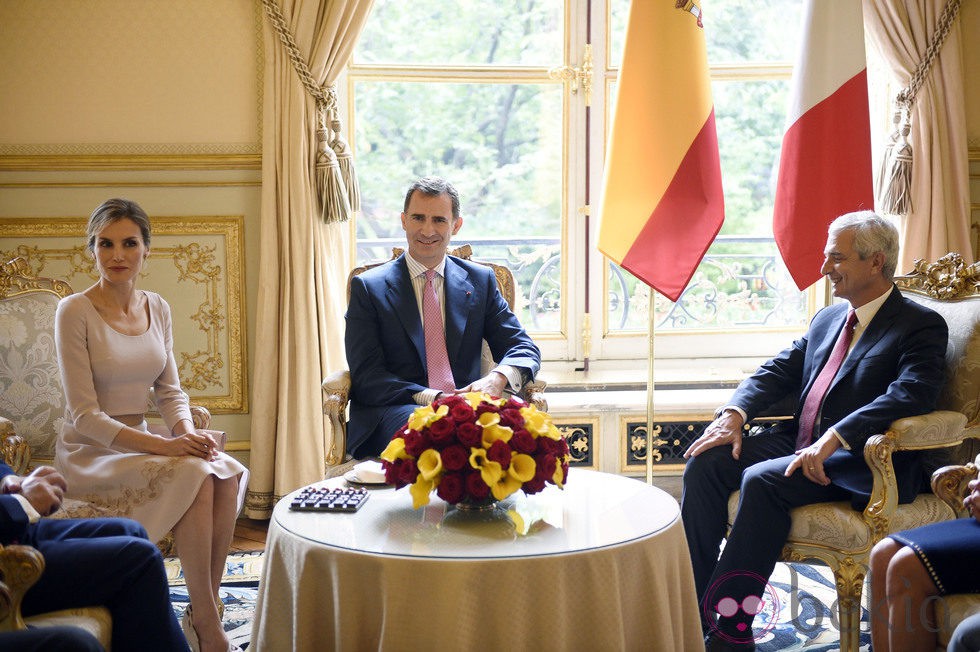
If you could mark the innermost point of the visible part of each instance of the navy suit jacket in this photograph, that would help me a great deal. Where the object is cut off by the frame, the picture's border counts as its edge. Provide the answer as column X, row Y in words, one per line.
column 895, row 370
column 386, row 347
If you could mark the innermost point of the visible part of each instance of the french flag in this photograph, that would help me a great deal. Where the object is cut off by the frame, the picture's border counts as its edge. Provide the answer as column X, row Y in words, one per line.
column 825, row 161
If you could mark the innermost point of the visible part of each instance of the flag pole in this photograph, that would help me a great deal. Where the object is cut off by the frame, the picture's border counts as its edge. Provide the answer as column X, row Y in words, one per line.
column 650, row 350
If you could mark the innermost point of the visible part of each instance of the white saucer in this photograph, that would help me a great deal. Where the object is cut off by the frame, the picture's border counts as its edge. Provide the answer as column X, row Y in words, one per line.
column 352, row 477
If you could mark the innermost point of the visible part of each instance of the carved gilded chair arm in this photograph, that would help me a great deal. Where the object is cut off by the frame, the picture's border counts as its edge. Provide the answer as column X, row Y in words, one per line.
column 533, row 393
column 20, row 568
column 336, row 392
column 934, row 430
column 884, row 488
column 14, row 451
column 949, row 483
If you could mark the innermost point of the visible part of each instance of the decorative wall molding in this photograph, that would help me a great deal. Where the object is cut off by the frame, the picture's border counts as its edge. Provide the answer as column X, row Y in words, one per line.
column 196, row 263
column 56, row 162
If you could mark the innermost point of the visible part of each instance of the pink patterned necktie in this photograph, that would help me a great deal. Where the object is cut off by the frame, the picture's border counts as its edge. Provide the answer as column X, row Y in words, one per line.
column 814, row 398
column 436, row 358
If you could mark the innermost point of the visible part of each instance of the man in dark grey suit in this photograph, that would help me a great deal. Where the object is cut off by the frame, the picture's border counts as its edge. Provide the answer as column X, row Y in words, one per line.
column 386, row 340
column 892, row 367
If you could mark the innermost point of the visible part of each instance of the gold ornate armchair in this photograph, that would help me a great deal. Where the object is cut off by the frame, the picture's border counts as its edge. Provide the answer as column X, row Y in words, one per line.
column 20, row 568
column 32, row 402
column 842, row 538
column 950, row 484
column 336, row 386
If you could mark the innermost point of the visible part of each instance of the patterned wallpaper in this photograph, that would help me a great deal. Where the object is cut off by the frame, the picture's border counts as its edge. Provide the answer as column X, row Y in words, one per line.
column 130, row 77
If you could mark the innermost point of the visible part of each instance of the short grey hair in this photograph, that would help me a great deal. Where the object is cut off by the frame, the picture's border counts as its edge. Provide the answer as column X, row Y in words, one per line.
column 872, row 234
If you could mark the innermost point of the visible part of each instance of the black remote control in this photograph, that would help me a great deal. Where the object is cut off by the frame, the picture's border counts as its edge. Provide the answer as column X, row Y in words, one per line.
column 313, row 499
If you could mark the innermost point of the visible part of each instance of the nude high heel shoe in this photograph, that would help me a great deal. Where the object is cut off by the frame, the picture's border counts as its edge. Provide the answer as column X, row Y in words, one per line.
column 187, row 624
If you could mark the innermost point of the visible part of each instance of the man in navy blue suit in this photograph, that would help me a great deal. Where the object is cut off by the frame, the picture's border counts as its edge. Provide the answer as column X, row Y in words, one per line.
column 87, row 562
column 385, row 338
column 892, row 368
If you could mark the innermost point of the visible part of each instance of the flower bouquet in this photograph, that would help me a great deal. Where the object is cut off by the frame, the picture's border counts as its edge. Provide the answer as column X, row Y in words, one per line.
column 473, row 449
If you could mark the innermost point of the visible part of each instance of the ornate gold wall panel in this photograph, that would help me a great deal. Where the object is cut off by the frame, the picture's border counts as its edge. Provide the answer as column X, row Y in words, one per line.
column 196, row 263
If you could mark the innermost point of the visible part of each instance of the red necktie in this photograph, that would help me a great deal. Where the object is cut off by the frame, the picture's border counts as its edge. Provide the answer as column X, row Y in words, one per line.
column 436, row 358
column 814, row 398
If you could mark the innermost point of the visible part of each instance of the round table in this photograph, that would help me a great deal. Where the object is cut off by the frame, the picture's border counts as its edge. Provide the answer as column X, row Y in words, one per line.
column 602, row 565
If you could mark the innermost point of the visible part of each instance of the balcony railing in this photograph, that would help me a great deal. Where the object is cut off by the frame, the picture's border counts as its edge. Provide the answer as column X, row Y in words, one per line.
column 741, row 283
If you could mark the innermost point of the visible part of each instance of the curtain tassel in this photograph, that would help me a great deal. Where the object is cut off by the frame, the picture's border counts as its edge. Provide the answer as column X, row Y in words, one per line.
column 895, row 177
column 345, row 160
column 328, row 184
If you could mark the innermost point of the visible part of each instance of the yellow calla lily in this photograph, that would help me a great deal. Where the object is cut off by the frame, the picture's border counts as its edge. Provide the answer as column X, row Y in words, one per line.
column 488, row 419
column 420, row 492
column 495, row 432
column 492, row 430
column 552, row 432
column 505, row 486
column 424, row 415
column 489, row 470
column 535, row 421
column 429, row 464
column 474, row 398
column 395, row 450
column 522, row 467
column 556, row 477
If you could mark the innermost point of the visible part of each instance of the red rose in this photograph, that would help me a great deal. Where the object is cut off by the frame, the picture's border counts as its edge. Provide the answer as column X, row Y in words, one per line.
column 461, row 412
column 514, row 403
column 499, row 452
column 546, row 466
column 486, row 407
column 511, row 418
column 547, row 445
column 450, row 487
column 469, row 434
column 533, row 486
column 391, row 474
column 523, row 442
column 407, row 471
column 450, row 400
column 415, row 442
column 441, row 431
column 454, row 457
column 475, row 486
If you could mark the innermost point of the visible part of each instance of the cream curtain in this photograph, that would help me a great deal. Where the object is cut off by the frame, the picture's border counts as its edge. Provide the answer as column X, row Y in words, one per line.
column 303, row 261
column 939, row 221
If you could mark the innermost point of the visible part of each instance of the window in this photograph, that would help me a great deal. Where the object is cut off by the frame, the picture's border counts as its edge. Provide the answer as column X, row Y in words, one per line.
column 472, row 91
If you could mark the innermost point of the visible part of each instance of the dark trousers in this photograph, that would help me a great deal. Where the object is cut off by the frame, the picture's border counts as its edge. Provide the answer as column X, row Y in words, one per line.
column 761, row 524
column 50, row 639
column 393, row 420
column 107, row 562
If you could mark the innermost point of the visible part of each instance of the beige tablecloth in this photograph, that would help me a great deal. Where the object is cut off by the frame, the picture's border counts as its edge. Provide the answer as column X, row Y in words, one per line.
column 635, row 595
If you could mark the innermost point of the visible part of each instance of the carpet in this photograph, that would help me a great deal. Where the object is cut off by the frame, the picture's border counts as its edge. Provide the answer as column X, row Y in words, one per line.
column 804, row 608
column 239, row 590
column 805, row 612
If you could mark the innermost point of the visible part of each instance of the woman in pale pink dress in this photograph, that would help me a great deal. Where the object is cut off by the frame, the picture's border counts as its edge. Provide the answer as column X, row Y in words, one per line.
column 114, row 344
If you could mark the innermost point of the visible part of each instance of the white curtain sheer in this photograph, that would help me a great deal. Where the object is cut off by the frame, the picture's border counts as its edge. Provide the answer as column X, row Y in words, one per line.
column 939, row 221
column 303, row 261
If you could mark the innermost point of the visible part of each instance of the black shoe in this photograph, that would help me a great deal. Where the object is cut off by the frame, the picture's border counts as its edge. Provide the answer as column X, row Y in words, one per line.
column 715, row 642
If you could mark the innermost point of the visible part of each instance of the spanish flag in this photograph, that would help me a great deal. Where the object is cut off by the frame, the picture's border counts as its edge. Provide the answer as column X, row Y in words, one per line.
column 662, row 203
column 825, row 161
